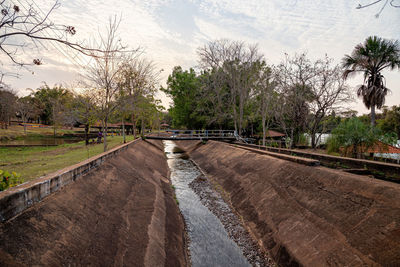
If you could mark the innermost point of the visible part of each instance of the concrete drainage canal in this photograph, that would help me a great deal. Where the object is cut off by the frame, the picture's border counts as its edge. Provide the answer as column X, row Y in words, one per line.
column 217, row 237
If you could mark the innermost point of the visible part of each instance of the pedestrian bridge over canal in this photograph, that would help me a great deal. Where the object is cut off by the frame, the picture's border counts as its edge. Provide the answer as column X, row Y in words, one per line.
column 228, row 135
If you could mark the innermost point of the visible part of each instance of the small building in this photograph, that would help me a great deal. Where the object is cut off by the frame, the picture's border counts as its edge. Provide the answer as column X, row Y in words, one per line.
column 273, row 138
column 115, row 127
column 377, row 150
column 274, row 135
column 164, row 126
column 381, row 150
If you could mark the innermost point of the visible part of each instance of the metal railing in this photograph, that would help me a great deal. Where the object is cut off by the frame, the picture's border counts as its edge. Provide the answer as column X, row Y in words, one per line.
column 194, row 134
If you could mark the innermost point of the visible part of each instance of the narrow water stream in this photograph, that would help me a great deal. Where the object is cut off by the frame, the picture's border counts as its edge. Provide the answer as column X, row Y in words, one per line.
column 209, row 244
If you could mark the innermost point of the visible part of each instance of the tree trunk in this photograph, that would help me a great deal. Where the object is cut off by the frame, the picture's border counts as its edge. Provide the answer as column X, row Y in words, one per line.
column 23, row 121
column 235, row 120
column 240, row 119
column 123, row 130
column 54, row 121
column 86, row 134
column 313, row 140
column 291, row 138
column 373, row 115
column 264, row 131
column 134, row 126
column 355, row 151
column 105, row 135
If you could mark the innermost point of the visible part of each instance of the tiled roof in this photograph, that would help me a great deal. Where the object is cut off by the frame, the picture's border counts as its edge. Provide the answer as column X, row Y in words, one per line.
column 271, row 133
column 380, row 147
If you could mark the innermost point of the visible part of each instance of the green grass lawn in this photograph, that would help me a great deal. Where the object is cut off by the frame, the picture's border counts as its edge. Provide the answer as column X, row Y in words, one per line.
column 33, row 162
column 17, row 132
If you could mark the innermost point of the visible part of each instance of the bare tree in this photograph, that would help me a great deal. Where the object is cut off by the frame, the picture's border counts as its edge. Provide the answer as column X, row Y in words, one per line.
column 27, row 109
column 238, row 61
column 329, row 93
column 393, row 3
column 103, row 74
column 308, row 92
column 27, row 26
column 294, row 76
column 266, row 96
column 138, row 79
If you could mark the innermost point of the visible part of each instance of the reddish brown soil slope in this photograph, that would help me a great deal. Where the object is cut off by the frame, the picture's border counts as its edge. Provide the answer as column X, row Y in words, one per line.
column 311, row 216
column 121, row 214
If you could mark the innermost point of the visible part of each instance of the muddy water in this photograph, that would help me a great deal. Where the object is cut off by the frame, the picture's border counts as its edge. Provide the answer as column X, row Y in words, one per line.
column 209, row 244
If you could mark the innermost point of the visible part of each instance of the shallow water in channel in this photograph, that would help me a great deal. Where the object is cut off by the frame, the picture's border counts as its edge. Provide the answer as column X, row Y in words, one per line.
column 209, row 244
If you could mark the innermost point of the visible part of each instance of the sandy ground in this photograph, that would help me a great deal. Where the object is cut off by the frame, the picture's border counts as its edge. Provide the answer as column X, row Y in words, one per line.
column 311, row 216
column 121, row 214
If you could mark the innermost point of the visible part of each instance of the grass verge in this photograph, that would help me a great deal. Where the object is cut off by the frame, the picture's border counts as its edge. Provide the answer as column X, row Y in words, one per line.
column 17, row 132
column 33, row 162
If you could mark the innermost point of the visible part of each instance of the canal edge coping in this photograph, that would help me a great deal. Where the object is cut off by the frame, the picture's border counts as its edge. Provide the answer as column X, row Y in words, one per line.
column 300, row 160
column 17, row 199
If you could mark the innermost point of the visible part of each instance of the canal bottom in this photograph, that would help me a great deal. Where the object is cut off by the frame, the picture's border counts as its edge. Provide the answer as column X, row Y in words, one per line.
column 209, row 243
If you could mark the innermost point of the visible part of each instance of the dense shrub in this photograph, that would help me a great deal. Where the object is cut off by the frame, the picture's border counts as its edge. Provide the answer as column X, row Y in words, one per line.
column 9, row 179
column 353, row 138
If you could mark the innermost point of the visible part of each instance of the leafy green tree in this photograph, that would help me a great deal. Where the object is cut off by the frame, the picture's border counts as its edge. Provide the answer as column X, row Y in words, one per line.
column 183, row 88
column 52, row 103
column 7, row 106
column 390, row 121
column 148, row 111
column 352, row 135
column 371, row 58
column 82, row 109
column 213, row 109
column 329, row 123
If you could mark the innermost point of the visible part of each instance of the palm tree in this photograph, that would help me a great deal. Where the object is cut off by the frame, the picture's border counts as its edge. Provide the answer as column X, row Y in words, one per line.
column 375, row 55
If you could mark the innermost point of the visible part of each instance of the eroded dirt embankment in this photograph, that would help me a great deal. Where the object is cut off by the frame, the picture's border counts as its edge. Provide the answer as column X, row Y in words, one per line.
column 311, row 216
column 121, row 214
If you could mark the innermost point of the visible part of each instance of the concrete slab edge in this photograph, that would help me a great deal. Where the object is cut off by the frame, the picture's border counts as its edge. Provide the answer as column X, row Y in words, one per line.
column 391, row 170
column 17, row 199
column 300, row 160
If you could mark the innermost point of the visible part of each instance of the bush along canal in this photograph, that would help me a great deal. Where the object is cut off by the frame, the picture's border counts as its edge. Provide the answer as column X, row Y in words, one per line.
column 216, row 235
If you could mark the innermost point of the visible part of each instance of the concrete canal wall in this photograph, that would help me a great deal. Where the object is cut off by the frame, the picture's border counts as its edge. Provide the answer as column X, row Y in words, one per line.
column 122, row 213
column 306, row 215
column 16, row 199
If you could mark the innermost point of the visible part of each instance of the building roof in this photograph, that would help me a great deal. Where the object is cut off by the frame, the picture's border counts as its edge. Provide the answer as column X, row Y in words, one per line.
column 380, row 147
column 111, row 125
column 120, row 124
column 271, row 133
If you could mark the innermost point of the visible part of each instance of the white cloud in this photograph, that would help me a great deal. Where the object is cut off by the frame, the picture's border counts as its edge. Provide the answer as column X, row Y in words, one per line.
column 171, row 30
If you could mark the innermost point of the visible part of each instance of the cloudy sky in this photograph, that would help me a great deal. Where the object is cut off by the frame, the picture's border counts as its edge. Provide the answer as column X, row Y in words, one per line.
column 169, row 31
